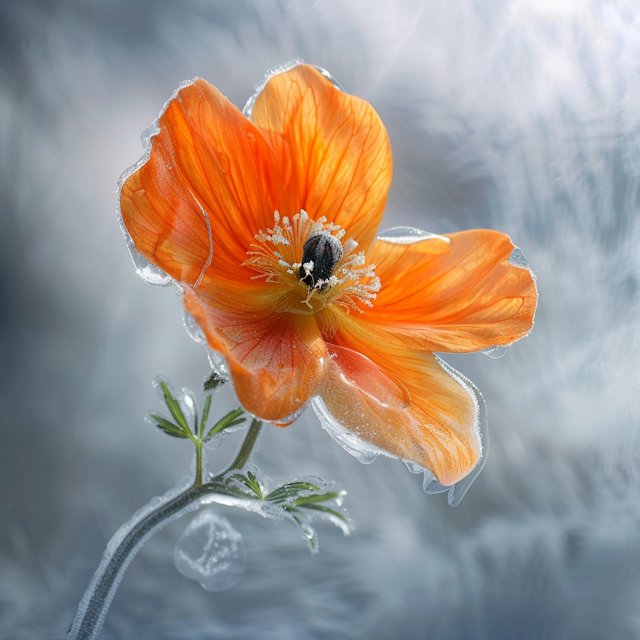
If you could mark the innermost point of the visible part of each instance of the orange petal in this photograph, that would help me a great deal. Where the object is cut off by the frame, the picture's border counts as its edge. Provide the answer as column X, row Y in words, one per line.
column 210, row 183
column 459, row 293
column 277, row 362
column 333, row 150
column 437, row 430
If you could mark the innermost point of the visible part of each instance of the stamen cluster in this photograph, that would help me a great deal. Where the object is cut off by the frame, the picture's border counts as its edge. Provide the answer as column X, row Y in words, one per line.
column 278, row 258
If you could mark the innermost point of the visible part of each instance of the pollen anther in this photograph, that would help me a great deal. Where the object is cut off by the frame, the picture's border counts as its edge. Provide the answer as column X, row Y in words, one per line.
column 315, row 268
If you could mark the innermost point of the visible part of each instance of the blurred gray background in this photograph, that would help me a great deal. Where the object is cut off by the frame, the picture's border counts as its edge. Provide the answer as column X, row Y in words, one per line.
column 519, row 115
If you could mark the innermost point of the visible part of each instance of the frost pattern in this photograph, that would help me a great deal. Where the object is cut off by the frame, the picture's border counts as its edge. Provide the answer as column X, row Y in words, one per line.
column 408, row 235
column 211, row 552
column 518, row 259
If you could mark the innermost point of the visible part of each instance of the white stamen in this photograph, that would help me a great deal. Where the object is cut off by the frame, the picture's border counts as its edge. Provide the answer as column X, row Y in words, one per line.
column 344, row 287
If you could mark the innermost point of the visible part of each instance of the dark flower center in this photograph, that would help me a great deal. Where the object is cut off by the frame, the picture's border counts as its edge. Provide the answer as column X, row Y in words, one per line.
column 320, row 255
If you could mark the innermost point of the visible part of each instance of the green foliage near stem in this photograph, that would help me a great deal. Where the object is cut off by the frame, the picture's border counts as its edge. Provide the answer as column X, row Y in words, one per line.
column 174, row 407
column 297, row 500
column 232, row 419
column 168, row 427
column 181, row 428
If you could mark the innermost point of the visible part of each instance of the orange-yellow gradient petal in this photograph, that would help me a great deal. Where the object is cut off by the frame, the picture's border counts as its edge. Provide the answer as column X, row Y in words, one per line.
column 456, row 294
column 436, row 430
column 208, row 163
column 277, row 362
column 334, row 150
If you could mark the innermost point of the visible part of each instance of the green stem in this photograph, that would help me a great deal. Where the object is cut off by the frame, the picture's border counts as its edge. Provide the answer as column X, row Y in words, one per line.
column 245, row 450
column 198, row 482
column 93, row 607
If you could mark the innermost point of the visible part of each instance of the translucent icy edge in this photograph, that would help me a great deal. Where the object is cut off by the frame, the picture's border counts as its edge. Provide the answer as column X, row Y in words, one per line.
column 209, row 259
column 516, row 259
column 282, row 68
column 292, row 417
column 259, row 86
column 148, row 272
column 413, row 467
column 408, row 235
column 365, row 453
column 495, row 352
column 329, row 77
column 218, row 364
column 192, row 327
column 460, row 488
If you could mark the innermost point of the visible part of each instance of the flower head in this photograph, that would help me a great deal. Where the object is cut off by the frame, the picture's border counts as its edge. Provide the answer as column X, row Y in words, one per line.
column 269, row 225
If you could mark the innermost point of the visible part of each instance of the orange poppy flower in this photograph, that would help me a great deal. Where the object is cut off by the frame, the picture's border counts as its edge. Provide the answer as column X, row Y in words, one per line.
column 269, row 222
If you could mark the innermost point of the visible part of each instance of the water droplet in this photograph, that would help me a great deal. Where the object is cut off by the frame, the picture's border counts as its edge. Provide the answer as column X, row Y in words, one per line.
column 148, row 272
column 413, row 467
column 211, row 551
column 192, row 327
column 431, row 485
column 286, row 421
column 408, row 235
column 495, row 352
column 147, row 134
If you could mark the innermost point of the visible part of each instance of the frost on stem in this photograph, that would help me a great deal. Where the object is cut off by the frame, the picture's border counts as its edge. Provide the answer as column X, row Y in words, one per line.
column 237, row 486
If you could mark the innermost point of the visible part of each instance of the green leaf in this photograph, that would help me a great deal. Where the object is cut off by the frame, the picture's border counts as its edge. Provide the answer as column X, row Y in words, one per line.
column 168, row 427
column 176, row 411
column 205, row 414
column 332, row 512
column 230, row 420
column 250, row 481
column 306, row 528
column 322, row 497
column 289, row 490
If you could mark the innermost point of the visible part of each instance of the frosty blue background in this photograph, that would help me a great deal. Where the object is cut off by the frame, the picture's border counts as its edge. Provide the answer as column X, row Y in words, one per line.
column 516, row 115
